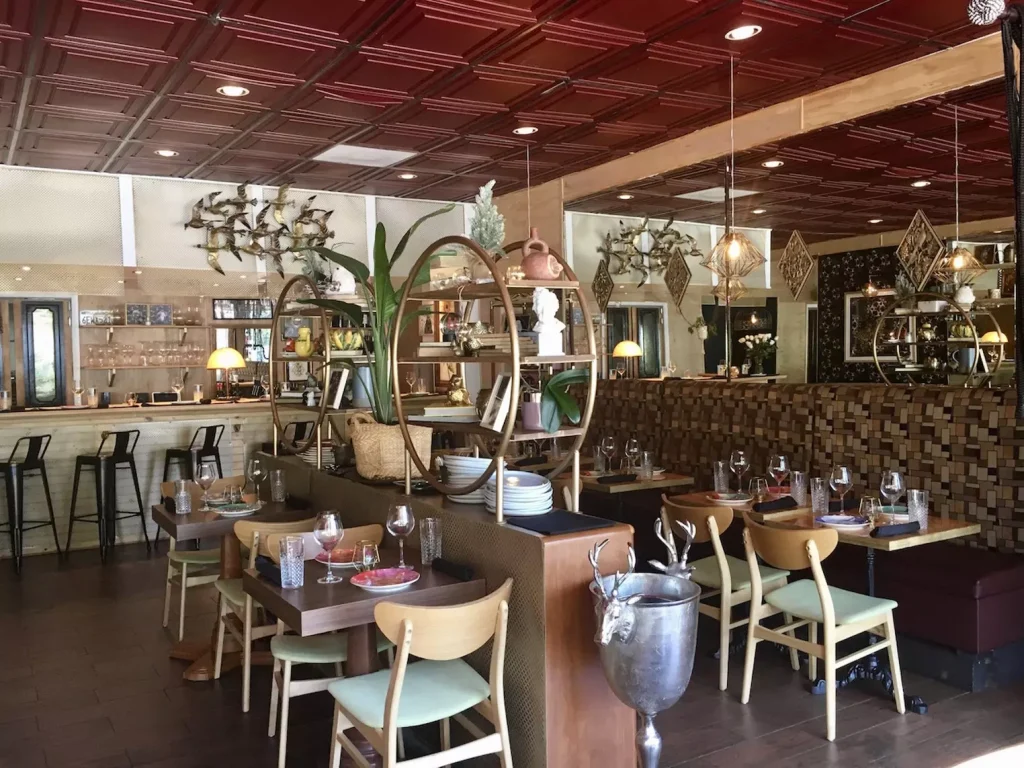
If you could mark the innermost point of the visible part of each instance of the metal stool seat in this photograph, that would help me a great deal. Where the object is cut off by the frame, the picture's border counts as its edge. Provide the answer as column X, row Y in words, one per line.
column 188, row 459
column 13, row 473
column 105, row 467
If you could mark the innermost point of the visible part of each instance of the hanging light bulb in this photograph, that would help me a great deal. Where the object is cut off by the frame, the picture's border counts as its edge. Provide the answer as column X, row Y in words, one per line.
column 870, row 290
column 733, row 250
column 734, row 256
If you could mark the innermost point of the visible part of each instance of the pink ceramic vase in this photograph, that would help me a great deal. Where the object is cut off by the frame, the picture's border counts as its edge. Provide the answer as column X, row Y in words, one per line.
column 538, row 263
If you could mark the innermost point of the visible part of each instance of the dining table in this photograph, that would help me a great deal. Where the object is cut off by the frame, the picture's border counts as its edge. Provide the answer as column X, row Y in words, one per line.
column 937, row 529
column 208, row 525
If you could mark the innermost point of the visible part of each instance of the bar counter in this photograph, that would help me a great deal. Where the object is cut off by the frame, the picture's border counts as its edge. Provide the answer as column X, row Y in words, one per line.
column 560, row 708
column 79, row 431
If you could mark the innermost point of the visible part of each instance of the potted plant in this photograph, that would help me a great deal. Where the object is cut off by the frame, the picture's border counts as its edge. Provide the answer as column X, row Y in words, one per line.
column 381, row 297
column 545, row 409
column 701, row 328
column 759, row 347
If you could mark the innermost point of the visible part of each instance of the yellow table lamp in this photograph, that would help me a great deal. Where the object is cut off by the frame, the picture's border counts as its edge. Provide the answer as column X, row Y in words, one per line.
column 623, row 350
column 229, row 359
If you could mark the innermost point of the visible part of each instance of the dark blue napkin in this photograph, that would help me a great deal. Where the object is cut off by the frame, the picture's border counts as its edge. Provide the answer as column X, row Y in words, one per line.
column 776, row 505
column 900, row 529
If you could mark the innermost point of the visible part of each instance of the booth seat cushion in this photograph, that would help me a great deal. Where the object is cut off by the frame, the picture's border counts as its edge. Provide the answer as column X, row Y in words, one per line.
column 955, row 570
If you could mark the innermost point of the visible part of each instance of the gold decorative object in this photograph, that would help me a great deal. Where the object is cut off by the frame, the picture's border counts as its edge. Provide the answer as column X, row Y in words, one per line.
column 734, row 256
column 796, row 264
column 603, row 285
column 457, row 393
column 626, row 249
column 677, row 278
column 735, row 291
column 959, row 267
column 226, row 224
column 920, row 250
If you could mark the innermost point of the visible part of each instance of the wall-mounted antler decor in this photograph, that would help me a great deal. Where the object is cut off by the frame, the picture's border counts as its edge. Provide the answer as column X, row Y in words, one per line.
column 227, row 224
column 632, row 254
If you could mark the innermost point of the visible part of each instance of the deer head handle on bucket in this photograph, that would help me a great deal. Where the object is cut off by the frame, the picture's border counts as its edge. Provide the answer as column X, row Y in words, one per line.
column 615, row 616
column 676, row 565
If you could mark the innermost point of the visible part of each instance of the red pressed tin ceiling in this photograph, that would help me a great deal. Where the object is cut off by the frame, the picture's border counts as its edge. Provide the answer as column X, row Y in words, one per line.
column 834, row 181
column 100, row 85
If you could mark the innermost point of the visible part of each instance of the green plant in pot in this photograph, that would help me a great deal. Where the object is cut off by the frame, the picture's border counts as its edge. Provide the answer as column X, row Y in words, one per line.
column 545, row 409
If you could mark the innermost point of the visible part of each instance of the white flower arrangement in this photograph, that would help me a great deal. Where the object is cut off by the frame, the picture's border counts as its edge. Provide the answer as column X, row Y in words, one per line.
column 759, row 345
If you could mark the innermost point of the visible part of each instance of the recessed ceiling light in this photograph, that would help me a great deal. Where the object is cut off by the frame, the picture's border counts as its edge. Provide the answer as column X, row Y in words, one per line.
column 138, row 271
column 407, row 176
column 216, row 285
column 26, row 269
column 743, row 33
column 625, row 196
column 17, row 279
column 166, row 153
column 875, row 221
column 525, row 130
column 759, row 211
column 921, row 183
column 773, row 163
column 373, row 157
column 234, row 91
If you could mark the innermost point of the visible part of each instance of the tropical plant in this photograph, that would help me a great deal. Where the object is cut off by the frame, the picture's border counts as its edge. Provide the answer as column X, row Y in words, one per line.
column 555, row 400
column 381, row 298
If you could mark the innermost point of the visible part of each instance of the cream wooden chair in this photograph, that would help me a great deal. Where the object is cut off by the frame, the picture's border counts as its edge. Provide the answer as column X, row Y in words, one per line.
column 204, row 563
column 841, row 614
column 236, row 605
column 440, row 686
column 720, row 575
column 289, row 650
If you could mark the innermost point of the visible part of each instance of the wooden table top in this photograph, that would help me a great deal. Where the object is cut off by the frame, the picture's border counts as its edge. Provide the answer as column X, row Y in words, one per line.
column 201, row 525
column 667, row 480
column 314, row 608
column 939, row 529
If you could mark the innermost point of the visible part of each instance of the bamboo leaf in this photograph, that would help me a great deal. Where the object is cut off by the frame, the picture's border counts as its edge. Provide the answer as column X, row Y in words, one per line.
column 405, row 238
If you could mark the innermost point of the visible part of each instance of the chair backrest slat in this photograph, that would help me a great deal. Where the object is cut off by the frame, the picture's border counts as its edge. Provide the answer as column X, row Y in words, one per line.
column 444, row 632
column 311, row 548
column 255, row 532
column 699, row 516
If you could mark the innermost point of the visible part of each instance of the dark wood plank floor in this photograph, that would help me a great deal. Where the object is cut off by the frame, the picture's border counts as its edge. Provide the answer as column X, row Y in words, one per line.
column 85, row 681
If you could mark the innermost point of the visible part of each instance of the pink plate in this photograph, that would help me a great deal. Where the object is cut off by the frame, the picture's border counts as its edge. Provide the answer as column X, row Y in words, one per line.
column 386, row 579
column 339, row 558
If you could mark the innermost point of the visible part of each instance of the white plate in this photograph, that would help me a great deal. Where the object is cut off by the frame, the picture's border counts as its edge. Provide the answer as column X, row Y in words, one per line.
column 491, row 502
column 730, row 502
column 468, row 498
column 520, row 497
column 517, row 479
column 535, row 512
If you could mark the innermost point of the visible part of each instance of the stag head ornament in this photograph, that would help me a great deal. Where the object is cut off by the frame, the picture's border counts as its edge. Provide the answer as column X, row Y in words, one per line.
column 676, row 565
column 615, row 616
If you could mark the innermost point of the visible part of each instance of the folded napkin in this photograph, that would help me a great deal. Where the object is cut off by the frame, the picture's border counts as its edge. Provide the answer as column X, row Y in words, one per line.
column 559, row 521
column 169, row 505
column 900, row 529
column 531, row 461
column 269, row 570
column 455, row 570
column 850, row 502
column 775, row 505
column 615, row 479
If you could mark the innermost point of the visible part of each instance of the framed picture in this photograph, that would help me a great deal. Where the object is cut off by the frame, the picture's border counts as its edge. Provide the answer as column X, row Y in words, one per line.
column 298, row 371
column 290, row 326
column 986, row 254
column 136, row 314
column 336, row 388
column 860, row 320
column 1008, row 282
column 160, row 314
column 498, row 403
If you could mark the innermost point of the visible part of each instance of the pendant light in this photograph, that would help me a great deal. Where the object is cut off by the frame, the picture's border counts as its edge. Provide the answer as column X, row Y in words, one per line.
column 959, row 267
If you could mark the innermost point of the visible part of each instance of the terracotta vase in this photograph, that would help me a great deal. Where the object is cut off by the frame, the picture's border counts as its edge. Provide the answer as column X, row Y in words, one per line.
column 538, row 263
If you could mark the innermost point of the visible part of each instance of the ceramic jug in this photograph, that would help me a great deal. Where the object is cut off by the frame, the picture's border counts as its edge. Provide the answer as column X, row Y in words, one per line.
column 304, row 344
column 538, row 263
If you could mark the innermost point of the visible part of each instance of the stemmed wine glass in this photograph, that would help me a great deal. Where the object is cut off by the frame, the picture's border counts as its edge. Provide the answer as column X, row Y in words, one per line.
column 205, row 476
column 410, row 379
column 841, row 481
column 739, row 464
column 400, row 523
column 632, row 451
column 892, row 486
column 328, row 531
column 871, row 510
column 608, row 449
column 778, row 468
column 176, row 386
column 254, row 472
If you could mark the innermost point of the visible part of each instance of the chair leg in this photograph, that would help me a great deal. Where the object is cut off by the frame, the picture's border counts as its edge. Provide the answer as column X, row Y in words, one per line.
column 275, row 693
column 74, row 500
column 812, row 661
column 794, row 657
column 505, row 756
column 181, row 605
column 830, row 688
column 446, row 736
column 49, row 506
column 335, row 759
column 724, row 619
column 894, row 665
column 247, row 655
column 219, row 656
column 167, row 594
column 748, row 659
column 216, row 457
column 286, row 692
column 142, row 509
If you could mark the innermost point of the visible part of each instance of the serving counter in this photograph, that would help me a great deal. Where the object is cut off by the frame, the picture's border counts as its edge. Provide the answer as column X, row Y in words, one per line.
column 560, row 708
column 79, row 431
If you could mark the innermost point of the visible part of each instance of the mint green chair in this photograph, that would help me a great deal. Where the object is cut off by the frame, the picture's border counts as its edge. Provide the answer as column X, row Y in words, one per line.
column 438, row 687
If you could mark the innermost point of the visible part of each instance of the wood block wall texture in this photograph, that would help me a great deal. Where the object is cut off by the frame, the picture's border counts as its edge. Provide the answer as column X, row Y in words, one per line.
column 72, row 437
column 961, row 445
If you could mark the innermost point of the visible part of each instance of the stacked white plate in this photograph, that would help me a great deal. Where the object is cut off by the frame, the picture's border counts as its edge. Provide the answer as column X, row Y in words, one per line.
column 463, row 471
column 525, row 494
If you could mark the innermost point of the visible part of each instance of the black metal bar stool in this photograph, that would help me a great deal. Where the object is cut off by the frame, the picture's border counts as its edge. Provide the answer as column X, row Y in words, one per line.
column 105, row 466
column 14, row 473
column 188, row 459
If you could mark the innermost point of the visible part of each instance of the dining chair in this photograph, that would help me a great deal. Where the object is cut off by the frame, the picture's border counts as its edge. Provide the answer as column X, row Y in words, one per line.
column 439, row 686
column 236, row 602
column 720, row 575
column 203, row 563
column 289, row 650
column 841, row 614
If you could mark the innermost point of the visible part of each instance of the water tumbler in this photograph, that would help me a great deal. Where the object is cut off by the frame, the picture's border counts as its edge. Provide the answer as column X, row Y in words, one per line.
column 278, row 491
column 182, row 498
column 721, row 477
column 430, row 539
column 292, row 566
column 798, row 487
column 819, row 496
column 917, row 506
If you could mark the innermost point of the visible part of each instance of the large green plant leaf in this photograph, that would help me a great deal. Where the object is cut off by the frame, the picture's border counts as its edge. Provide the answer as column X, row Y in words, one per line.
column 383, row 291
column 358, row 269
column 556, row 402
column 412, row 230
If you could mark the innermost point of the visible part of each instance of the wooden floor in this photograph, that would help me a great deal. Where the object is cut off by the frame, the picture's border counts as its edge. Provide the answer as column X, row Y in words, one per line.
column 85, row 681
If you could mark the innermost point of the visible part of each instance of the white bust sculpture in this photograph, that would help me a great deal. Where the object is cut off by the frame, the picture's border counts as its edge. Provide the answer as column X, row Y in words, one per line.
column 548, row 327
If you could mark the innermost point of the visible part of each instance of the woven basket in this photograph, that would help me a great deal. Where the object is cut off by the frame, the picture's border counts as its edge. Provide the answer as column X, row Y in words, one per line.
column 380, row 449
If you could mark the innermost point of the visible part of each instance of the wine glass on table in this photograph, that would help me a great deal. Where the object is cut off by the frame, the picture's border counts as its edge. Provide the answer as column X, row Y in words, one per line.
column 739, row 464
column 608, row 449
column 176, row 386
column 400, row 523
column 632, row 452
column 841, row 481
column 778, row 468
column 254, row 472
column 759, row 489
column 328, row 531
column 892, row 486
column 206, row 476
